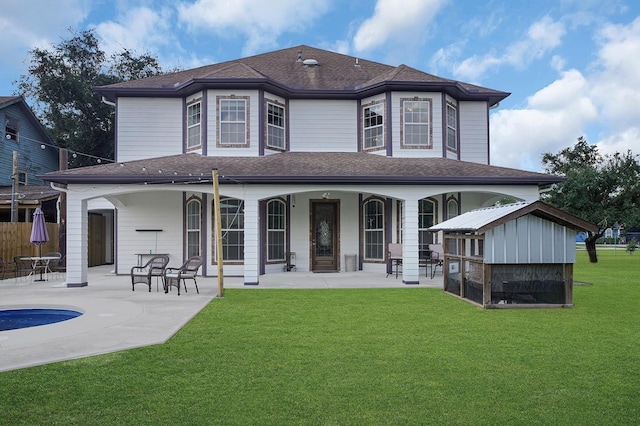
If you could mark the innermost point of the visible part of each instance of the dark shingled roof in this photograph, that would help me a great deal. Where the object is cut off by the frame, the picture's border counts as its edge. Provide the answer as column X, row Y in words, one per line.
column 29, row 194
column 302, row 168
column 335, row 76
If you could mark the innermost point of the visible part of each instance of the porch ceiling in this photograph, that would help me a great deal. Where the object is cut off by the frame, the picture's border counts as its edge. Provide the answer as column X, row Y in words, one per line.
column 301, row 168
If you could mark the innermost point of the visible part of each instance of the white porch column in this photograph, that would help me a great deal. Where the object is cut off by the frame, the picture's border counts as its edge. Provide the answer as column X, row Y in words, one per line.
column 410, row 267
column 251, row 241
column 77, row 240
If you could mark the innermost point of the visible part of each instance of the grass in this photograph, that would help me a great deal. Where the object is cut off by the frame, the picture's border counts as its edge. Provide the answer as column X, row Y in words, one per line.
column 359, row 357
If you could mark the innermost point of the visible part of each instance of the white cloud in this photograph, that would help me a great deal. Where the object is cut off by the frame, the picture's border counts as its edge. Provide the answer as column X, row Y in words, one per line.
column 261, row 22
column 617, row 82
column 406, row 20
column 553, row 117
column 26, row 24
column 542, row 37
column 140, row 29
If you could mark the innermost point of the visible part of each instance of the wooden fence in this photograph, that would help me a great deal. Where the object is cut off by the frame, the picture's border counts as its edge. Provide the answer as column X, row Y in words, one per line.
column 14, row 240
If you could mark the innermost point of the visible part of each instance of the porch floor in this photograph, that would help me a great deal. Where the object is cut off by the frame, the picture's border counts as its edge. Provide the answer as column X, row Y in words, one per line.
column 116, row 318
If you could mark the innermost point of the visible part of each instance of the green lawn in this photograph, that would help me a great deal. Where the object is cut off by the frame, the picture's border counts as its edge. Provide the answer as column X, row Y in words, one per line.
column 360, row 357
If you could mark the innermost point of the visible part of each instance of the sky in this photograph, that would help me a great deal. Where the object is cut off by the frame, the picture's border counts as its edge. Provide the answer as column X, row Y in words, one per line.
column 572, row 66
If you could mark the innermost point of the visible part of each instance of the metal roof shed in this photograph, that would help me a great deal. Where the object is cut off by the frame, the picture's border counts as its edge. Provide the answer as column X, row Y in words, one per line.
column 516, row 255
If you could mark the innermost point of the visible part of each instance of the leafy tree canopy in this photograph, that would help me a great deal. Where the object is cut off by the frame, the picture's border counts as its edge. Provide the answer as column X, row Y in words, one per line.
column 601, row 188
column 59, row 85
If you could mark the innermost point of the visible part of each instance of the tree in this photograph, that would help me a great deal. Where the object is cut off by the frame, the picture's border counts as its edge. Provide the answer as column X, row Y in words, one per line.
column 60, row 84
column 602, row 189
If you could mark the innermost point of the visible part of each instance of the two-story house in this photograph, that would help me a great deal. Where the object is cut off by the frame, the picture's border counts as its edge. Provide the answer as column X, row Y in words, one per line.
column 26, row 151
column 319, row 155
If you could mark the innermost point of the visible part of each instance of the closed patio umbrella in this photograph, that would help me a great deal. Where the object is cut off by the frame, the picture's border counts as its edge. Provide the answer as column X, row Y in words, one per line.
column 39, row 234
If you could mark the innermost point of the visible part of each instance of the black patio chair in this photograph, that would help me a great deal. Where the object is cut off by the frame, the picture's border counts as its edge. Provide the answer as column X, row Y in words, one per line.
column 153, row 268
column 188, row 271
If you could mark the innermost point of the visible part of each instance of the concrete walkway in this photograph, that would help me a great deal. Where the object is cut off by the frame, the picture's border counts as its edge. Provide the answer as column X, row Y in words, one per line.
column 116, row 318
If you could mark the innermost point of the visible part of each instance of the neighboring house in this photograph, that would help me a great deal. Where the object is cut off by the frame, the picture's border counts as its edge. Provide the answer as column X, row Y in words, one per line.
column 320, row 156
column 23, row 134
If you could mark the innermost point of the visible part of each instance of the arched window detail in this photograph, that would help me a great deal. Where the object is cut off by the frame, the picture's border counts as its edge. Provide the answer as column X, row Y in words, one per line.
column 427, row 217
column 452, row 208
column 276, row 230
column 373, row 220
column 232, row 218
column 193, row 223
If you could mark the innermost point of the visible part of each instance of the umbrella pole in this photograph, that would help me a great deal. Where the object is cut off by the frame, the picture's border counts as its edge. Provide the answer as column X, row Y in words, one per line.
column 40, row 255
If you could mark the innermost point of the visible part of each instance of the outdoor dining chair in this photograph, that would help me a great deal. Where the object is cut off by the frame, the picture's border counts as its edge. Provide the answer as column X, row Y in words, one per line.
column 24, row 267
column 434, row 259
column 188, row 271
column 7, row 268
column 153, row 268
column 394, row 256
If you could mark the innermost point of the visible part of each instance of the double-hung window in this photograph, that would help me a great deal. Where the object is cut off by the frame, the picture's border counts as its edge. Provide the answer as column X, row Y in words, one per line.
column 373, row 126
column 193, row 227
column 426, row 219
column 193, row 125
column 276, row 230
column 233, row 121
column 373, row 218
column 232, row 218
column 416, row 130
column 275, row 126
column 452, row 127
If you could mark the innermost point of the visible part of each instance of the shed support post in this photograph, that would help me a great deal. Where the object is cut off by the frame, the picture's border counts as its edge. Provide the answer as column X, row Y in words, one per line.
column 486, row 285
column 568, row 283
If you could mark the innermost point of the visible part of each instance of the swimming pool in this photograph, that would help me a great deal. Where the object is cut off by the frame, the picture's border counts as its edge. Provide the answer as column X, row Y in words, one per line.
column 13, row 319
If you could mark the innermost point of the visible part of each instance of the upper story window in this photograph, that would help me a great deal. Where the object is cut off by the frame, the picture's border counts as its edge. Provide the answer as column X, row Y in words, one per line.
column 416, row 128
column 452, row 127
column 275, row 126
column 233, row 118
column 11, row 128
column 193, row 125
column 373, row 126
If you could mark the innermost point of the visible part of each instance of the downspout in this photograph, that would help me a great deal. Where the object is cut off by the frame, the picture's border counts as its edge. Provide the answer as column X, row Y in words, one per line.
column 108, row 102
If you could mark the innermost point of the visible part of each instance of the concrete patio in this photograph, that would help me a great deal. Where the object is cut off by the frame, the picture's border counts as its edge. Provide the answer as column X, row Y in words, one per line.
column 116, row 318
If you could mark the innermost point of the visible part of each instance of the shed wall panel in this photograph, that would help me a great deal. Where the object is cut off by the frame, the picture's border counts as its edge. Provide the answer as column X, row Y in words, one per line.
column 523, row 239
column 511, row 242
column 530, row 239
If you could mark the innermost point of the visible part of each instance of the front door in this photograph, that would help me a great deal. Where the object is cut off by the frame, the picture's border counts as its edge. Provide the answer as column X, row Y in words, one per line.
column 324, row 236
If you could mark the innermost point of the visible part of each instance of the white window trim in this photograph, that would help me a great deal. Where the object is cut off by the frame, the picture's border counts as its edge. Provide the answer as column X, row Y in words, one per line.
column 274, row 126
column 369, row 231
column 221, row 101
column 380, row 128
column 282, row 231
column 403, row 132
column 422, row 245
column 239, row 219
column 192, row 126
column 197, row 230
column 453, row 127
